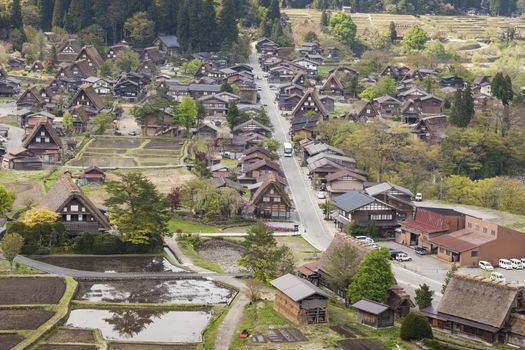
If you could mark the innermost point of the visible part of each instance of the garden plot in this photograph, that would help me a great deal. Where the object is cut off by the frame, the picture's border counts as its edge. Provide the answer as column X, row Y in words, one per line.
column 9, row 340
column 128, row 346
column 67, row 347
column 23, row 319
column 222, row 253
column 64, row 336
column 31, row 290
column 124, row 152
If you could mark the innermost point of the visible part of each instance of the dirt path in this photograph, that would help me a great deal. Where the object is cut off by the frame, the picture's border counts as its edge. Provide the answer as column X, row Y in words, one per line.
column 229, row 323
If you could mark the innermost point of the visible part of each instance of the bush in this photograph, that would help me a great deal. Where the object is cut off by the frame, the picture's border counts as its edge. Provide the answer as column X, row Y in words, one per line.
column 415, row 327
column 92, row 243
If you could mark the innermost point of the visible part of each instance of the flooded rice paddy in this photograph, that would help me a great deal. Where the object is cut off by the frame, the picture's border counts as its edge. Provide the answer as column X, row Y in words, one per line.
column 143, row 325
column 190, row 291
column 115, row 263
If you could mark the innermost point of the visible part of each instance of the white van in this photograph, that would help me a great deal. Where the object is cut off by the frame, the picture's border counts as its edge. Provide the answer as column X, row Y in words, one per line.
column 516, row 264
column 365, row 239
column 497, row 277
column 288, row 149
column 485, row 265
column 505, row 264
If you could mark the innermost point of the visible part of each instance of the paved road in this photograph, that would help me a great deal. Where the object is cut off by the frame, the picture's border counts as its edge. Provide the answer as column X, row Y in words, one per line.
column 317, row 232
column 304, row 199
column 14, row 137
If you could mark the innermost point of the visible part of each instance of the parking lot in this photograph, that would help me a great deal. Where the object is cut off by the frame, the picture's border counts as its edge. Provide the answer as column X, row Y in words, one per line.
column 430, row 266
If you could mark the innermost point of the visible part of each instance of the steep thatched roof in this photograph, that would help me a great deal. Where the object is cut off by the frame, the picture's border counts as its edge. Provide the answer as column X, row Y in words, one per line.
column 479, row 299
column 341, row 239
column 517, row 323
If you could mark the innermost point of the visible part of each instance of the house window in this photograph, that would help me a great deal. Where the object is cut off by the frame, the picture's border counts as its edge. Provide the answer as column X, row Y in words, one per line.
column 448, row 252
column 37, row 139
column 64, row 210
column 381, row 217
column 493, row 232
column 47, row 139
column 80, row 217
column 411, row 109
column 277, row 199
column 68, row 217
column 266, row 199
column 474, row 253
column 74, row 208
column 368, row 111
column 441, row 250
column 42, row 133
column 83, row 209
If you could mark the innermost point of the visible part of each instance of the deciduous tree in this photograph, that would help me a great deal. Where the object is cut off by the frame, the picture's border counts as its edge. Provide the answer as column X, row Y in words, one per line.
column 40, row 216
column 373, row 278
column 7, row 199
column 343, row 28
column 186, row 112
column 414, row 38
column 141, row 29
column 12, row 245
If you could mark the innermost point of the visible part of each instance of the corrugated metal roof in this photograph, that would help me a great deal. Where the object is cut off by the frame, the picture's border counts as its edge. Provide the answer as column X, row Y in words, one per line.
column 370, row 306
column 296, row 288
column 353, row 200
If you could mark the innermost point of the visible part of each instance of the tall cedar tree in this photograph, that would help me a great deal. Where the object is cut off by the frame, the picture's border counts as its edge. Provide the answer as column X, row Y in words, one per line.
column 373, row 278
column 208, row 27
column 59, row 11
column 139, row 210
column 228, row 23
column 462, row 108
column 79, row 15
column 196, row 32
column 16, row 16
column 274, row 12
column 501, row 87
column 184, row 26
column 46, row 14
column 166, row 16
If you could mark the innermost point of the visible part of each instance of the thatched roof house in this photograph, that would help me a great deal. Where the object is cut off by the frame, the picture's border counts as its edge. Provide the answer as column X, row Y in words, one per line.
column 475, row 306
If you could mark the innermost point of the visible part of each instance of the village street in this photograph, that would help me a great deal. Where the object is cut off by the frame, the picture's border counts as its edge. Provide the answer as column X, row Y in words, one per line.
column 314, row 229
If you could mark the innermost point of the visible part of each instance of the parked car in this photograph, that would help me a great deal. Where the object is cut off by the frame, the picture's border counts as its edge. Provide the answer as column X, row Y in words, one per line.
column 497, row 277
column 418, row 197
column 393, row 254
column 403, row 257
column 505, row 264
column 374, row 245
column 516, row 264
column 365, row 239
column 321, row 195
column 421, row 250
column 132, row 133
column 485, row 265
column 523, row 261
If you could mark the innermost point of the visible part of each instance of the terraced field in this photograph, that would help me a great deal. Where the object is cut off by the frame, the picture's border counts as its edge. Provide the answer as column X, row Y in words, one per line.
column 31, row 306
column 465, row 27
column 129, row 152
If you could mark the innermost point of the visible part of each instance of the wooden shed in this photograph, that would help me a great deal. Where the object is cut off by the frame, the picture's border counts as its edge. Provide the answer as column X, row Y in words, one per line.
column 374, row 314
column 300, row 301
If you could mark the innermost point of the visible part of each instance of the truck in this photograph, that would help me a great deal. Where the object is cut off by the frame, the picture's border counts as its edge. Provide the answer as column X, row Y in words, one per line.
column 288, row 149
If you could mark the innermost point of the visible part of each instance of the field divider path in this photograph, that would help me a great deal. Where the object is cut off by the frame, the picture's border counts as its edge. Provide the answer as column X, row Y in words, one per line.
column 81, row 274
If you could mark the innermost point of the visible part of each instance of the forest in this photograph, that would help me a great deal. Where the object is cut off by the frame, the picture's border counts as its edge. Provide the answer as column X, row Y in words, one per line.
column 438, row 7
column 201, row 25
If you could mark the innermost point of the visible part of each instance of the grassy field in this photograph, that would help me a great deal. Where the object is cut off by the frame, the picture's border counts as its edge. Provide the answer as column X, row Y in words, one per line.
column 188, row 226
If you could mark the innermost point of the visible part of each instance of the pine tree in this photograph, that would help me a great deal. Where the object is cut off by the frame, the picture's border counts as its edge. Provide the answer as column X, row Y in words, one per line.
column 59, row 10
column 166, row 15
column 424, row 296
column 392, row 32
column 228, row 23
column 46, row 14
column 16, row 16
